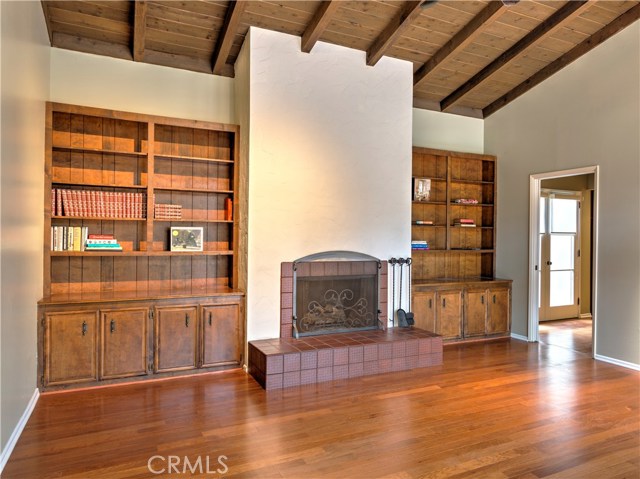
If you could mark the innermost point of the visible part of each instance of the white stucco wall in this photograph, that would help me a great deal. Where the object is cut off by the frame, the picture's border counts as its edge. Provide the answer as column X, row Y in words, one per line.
column 329, row 161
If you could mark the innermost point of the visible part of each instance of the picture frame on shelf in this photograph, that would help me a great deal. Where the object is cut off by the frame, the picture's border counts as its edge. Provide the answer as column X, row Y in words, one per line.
column 421, row 189
column 185, row 238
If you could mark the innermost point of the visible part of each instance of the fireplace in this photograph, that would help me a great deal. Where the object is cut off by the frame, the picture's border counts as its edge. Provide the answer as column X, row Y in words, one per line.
column 333, row 292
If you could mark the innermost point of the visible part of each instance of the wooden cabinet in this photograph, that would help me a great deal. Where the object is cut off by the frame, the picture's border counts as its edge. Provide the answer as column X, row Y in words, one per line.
column 464, row 309
column 475, row 313
column 449, row 314
column 499, row 316
column 455, row 215
column 423, row 305
column 123, row 343
column 176, row 338
column 221, row 335
column 70, row 347
column 134, row 179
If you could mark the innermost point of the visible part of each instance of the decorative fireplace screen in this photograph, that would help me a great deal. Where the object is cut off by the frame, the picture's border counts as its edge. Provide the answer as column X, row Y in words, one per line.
column 335, row 296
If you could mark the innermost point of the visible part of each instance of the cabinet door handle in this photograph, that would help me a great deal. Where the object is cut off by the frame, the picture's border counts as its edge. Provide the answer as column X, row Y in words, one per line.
column 494, row 299
column 430, row 303
column 209, row 318
column 84, row 328
column 482, row 299
column 444, row 302
column 186, row 320
column 113, row 325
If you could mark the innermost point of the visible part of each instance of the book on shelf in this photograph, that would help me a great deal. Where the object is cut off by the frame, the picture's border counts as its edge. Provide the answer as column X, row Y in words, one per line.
column 100, row 236
column 68, row 238
column 228, row 209
column 103, row 246
column 98, row 204
column 423, row 222
column 167, row 211
column 419, row 244
column 468, row 222
column 465, row 201
column 91, row 241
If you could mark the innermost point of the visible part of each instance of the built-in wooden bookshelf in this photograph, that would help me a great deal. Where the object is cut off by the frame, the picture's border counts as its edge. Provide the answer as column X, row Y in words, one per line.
column 454, row 251
column 455, row 292
column 193, row 164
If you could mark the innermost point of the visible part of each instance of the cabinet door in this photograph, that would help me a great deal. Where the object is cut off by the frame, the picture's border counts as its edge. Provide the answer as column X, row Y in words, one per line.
column 499, row 311
column 123, row 350
column 176, row 333
column 449, row 314
column 475, row 313
column 424, row 310
column 221, row 335
column 70, row 354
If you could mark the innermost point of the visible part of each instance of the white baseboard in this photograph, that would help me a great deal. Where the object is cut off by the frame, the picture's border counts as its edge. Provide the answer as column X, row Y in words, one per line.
column 15, row 435
column 617, row 362
column 519, row 337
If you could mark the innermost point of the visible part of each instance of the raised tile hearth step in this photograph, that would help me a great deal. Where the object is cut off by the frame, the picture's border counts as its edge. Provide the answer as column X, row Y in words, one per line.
column 285, row 362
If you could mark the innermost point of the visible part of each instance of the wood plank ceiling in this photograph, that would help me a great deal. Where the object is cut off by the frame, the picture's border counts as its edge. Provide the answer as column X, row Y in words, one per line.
column 469, row 57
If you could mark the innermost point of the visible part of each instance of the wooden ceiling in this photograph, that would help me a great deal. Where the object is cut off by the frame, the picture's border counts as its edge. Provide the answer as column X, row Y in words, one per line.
column 469, row 57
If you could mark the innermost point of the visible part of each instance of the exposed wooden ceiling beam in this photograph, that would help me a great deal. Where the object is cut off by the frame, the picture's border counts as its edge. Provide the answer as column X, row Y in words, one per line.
column 461, row 39
column 401, row 22
column 139, row 30
column 318, row 24
column 589, row 44
column 227, row 35
column 544, row 29
column 424, row 104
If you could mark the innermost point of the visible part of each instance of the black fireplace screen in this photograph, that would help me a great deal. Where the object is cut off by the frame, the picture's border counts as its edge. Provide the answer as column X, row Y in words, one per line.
column 335, row 304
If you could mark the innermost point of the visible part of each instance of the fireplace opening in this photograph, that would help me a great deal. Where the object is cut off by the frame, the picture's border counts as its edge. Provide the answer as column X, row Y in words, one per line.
column 335, row 292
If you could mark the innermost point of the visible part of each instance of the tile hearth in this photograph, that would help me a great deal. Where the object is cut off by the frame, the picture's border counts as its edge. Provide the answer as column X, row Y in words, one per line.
column 285, row 362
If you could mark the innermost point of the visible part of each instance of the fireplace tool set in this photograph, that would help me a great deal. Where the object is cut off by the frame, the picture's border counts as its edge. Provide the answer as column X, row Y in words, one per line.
column 405, row 318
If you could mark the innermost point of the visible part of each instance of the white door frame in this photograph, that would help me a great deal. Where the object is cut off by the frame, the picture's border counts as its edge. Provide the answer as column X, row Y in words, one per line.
column 534, row 253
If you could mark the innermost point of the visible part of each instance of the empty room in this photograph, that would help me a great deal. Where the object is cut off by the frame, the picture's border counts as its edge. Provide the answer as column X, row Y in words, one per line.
column 325, row 238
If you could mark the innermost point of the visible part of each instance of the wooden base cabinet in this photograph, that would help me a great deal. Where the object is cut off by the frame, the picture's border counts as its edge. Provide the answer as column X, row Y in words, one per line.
column 123, row 343
column 463, row 309
column 221, row 335
column 70, row 347
column 176, row 338
column 98, row 343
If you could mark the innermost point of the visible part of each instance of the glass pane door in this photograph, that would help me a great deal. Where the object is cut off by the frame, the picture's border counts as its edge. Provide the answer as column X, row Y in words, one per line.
column 559, row 252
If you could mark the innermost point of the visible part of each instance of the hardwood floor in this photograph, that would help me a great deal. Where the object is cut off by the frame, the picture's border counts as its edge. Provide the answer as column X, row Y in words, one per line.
column 575, row 334
column 505, row 409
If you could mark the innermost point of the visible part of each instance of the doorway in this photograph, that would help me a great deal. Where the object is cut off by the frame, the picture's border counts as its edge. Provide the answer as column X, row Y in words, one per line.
column 562, row 258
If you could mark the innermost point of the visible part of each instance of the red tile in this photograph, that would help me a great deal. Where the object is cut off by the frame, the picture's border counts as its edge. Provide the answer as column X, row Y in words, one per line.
column 370, row 367
column 291, row 362
column 325, row 358
column 340, row 356
column 286, row 300
column 291, row 378
column 286, row 270
column 274, row 381
column 356, row 370
column 356, row 354
column 341, row 372
column 286, row 285
column 399, row 349
column 385, row 350
column 325, row 374
column 424, row 346
column 412, row 347
column 309, row 360
column 275, row 364
column 317, row 269
column 308, row 376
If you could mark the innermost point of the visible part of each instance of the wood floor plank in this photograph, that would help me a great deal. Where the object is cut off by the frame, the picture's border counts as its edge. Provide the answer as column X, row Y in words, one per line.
column 505, row 409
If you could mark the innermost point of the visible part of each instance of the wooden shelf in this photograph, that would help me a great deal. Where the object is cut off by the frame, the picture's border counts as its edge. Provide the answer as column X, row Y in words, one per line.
column 96, row 218
column 100, row 150
column 141, row 253
column 193, row 158
column 183, row 220
column 193, row 190
column 469, row 176
column 99, row 185
column 471, row 182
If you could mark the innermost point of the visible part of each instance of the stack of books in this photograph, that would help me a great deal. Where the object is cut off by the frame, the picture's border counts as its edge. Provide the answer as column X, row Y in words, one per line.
column 68, row 238
column 465, row 201
column 167, row 212
column 423, row 222
column 104, row 242
column 98, row 204
column 419, row 244
column 464, row 222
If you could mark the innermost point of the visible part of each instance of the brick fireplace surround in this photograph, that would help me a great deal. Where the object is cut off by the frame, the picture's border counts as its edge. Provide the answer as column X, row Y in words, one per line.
column 286, row 361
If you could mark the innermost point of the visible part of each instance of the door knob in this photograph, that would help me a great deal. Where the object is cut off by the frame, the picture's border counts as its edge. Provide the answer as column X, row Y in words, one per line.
column 549, row 263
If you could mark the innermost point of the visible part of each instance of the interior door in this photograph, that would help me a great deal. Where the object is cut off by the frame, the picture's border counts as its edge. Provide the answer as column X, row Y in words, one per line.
column 559, row 264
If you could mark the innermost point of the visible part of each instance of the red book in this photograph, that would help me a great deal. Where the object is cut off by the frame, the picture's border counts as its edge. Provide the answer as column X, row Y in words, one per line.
column 468, row 221
column 58, row 202
column 97, row 236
